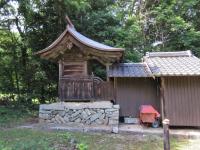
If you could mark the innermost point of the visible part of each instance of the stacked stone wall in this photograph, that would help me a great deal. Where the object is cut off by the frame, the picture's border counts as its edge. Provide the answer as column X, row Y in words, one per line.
column 91, row 113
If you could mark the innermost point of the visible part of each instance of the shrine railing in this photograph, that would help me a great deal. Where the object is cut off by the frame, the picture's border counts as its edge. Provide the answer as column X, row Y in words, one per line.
column 85, row 89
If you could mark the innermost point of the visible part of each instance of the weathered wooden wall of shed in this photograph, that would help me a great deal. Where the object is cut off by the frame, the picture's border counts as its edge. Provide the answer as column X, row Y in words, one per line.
column 182, row 100
column 131, row 93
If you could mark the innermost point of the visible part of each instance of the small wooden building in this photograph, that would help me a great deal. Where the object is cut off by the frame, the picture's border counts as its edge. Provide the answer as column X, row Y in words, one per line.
column 73, row 52
column 169, row 81
column 134, row 86
column 179, row 75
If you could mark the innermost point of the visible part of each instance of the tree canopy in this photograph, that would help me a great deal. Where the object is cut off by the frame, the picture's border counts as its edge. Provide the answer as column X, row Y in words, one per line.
column 27, row 26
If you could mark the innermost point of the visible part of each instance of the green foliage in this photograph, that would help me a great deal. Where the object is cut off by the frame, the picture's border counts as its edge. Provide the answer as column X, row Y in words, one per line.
column 14, row 116
column 22, row 139
column 82, row 146
column 27, row 139
column 137, row 26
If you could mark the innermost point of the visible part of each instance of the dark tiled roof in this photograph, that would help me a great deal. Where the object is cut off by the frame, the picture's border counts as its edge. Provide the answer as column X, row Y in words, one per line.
column 181, row 63
column 129, row 70
column 173, row 63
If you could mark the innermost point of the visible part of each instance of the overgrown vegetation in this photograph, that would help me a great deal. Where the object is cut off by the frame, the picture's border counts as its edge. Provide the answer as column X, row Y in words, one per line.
column 136, row 25
column 11, row 117
column 21, row 139
column 26, row 139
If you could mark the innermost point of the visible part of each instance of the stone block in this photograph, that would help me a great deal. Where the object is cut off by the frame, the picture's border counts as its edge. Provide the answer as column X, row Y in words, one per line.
column 99, row 121
column 59, row 119
column 88, row 111
column 62, row 113
column 84, row 115
column 88, row 118
column 102, row 117
column 48, row 121
column 88, row 122
column 70, row 112
column 54, row 112
column 41, row 120
column 44, row 116
column 78, row 120
column 66, row 118
column 91, row 105
column 106, row 121
column 92, row 112
column 75, row 113
column 72, row 119
column 113, row 122
column 53, row 106
column 67, row 110
column 113, row 115
column 53, row 120
column 116, row 106
column 45, row 111
column 95, row 116
column 110, row 110
column 115, row 129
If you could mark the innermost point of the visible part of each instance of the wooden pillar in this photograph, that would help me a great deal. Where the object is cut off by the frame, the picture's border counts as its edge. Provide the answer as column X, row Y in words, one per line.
column 60, row 69
column 162, row 97
column 86, row 68
column 115, row 89
column 60, row 66
column 107, row 69
column 166, row 140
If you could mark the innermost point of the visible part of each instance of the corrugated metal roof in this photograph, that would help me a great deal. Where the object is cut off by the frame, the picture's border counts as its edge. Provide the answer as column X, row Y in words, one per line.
column 165, row 64
column 129, row 70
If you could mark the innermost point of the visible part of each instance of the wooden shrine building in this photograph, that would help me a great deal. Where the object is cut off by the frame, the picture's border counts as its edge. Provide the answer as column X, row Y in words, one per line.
column 169, row 81
column 72, row 51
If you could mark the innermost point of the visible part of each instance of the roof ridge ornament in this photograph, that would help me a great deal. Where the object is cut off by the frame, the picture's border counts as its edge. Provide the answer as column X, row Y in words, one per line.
column 69, row 23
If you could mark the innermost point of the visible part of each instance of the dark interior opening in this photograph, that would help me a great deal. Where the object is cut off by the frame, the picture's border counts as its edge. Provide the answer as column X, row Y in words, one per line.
column 96, row 68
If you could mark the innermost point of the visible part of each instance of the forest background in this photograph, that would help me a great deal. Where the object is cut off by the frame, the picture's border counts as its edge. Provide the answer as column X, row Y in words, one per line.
column 27, row 26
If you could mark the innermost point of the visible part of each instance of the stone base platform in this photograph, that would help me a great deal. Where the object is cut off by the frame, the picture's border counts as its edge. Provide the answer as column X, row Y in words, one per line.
column 81, row 113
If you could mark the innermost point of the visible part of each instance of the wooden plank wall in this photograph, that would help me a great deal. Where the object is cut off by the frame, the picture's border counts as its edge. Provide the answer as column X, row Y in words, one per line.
column 74, row 68
column 131, row 93
column 182, row 100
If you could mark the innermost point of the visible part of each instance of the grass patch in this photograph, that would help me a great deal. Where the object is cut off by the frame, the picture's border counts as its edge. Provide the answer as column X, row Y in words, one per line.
column 100, row 141
column 11, row 117
column 24, row 139
column 117, row 141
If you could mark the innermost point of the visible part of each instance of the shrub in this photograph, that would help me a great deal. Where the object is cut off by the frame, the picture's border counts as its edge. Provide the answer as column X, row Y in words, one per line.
column 82, row 146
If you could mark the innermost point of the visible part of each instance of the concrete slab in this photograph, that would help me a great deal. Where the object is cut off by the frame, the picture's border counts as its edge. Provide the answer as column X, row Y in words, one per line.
column 69, row 127
column 138, row 129
column 123, row 129
column 186, row 133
